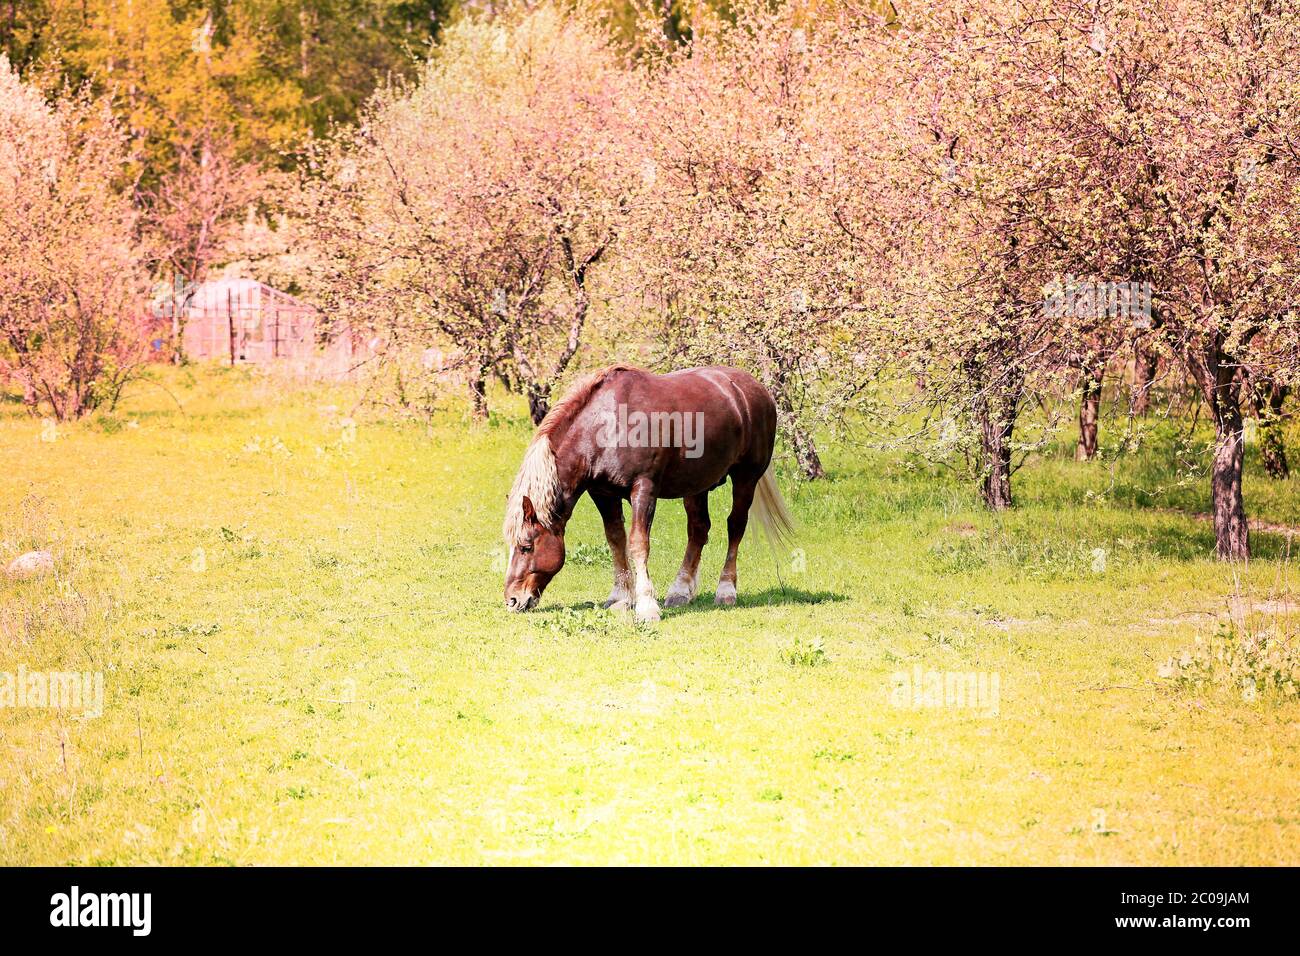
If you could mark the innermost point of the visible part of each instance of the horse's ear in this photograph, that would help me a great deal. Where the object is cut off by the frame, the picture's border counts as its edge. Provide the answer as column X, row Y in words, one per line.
column 530, row 515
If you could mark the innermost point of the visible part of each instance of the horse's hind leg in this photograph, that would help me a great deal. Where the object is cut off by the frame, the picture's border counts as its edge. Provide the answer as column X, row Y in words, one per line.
column 697, row 536
column 742, row 496
column 611, row 512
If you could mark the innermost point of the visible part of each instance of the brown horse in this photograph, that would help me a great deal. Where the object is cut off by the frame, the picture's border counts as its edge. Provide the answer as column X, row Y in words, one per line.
column 625, row 433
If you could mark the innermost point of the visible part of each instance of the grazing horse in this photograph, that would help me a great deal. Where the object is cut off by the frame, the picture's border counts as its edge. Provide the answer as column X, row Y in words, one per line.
column 625, row 433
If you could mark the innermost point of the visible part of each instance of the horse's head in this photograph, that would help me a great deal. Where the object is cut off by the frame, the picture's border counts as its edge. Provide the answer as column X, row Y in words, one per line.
column 535, row 557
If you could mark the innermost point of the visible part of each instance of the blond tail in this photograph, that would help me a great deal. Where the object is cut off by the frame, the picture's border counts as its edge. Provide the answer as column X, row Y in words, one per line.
column 770, row 509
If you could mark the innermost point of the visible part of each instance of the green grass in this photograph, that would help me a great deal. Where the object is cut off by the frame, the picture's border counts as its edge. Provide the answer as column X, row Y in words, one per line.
column 306, row 660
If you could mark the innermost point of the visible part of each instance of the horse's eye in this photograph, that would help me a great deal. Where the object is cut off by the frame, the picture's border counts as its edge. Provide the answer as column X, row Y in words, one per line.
column 525, row 549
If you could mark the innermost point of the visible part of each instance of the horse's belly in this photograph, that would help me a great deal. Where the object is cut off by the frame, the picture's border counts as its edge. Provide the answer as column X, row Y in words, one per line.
column 682, row 481
column 673, row 477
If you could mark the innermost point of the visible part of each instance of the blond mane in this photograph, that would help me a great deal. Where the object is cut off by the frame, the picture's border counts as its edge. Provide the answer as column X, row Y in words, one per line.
column 539, row 478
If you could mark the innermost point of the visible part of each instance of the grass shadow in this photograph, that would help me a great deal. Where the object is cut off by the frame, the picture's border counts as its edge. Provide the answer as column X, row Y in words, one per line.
column 771, row 597
column 1192, row 539
column 557, row 608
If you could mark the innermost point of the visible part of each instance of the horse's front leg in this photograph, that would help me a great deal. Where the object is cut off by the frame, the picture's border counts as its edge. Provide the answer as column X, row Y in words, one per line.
column 611, row 513
column 742, row 496
column 643, row 514
column 697, row 536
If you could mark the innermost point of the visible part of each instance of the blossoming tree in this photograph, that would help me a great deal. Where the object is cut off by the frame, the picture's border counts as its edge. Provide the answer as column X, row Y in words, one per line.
column 474, row 208
column 70, row 279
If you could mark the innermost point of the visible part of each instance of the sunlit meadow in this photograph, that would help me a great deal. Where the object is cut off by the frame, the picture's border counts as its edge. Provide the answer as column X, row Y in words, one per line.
column 296, row 607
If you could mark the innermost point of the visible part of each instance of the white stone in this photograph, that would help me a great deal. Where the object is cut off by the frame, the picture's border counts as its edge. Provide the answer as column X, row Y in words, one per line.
column 31, row 565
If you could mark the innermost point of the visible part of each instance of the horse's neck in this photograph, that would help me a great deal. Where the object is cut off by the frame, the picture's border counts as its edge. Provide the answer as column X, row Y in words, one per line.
column 570, row 468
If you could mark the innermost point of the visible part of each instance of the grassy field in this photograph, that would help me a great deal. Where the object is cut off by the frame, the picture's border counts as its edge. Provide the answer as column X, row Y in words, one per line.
column 305, row 658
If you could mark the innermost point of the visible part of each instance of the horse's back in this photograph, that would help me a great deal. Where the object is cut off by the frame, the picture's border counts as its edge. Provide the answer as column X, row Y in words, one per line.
column 725, row 416
column 729, row 380
column 734, row 392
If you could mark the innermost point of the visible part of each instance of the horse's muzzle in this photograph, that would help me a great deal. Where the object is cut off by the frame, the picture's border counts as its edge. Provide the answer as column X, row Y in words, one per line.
column 515, row 604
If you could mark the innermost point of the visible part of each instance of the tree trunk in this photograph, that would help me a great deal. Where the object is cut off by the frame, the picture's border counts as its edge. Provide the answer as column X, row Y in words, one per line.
column 805, row 452
column 478, row 394
column 1145, row 365
column 996, row 408
column 801, row 440
column 1267, row 399
column 995, row 446
column 30, row 399
column 539, row 403
column 1231, row 532
column 1216, row 371
column 1089, row 410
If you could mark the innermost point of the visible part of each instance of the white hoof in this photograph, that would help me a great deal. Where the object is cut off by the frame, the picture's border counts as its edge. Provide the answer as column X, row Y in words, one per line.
column 679, row 595
column 726, row 594
column 618, row 601
column 647, row 610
